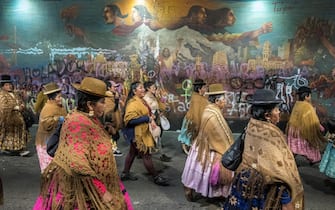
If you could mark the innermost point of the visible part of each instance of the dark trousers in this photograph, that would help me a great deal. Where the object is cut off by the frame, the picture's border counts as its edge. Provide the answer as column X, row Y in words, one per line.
column 146, row 157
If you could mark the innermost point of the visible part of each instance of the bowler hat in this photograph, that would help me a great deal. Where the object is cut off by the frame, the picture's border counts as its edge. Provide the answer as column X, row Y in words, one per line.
column 51, row 88
column 92, row 86
column 199, row 82
column 215, row 89
column 5, row 79
column 304, row 89
column 263, row 97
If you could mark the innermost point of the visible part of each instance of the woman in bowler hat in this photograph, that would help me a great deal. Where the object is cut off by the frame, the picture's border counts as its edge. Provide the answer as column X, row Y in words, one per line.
column 83, row 173
column 267, row 177
column 13, row 133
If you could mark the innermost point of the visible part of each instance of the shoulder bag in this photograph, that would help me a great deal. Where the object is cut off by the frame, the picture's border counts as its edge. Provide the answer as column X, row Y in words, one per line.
column 232, row 158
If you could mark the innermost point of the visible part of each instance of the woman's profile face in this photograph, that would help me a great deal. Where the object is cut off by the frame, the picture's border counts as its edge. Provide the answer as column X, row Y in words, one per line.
column 58, row 99
column 139, row 91
column 99, row 108
column 275, row 115
column 152, row 89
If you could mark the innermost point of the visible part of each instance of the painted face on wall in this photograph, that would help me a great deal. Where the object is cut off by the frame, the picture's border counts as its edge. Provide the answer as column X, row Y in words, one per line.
column 108, row 15
column 166, row 53
column 135, row 15
column 230, row 18
column 200, row 17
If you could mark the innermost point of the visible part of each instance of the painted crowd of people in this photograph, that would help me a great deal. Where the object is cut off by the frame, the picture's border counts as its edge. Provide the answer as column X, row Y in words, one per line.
column 83, row 173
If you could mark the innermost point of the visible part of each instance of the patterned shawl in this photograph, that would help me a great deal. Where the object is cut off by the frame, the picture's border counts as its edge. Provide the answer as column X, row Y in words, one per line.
column 83, row 155
column 13, row 133
column 136, row 108
column 266, row 151
column 214, row 134
column 304, row 121
column 194, row 114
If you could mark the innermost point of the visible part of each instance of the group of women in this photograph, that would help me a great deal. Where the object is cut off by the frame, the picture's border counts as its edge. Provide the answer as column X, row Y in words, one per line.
column 267, row 177
column 83, row 173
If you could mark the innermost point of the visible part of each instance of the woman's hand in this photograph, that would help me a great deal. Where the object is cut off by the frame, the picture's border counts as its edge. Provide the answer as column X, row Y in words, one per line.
column 288, row 206
column 107, row 197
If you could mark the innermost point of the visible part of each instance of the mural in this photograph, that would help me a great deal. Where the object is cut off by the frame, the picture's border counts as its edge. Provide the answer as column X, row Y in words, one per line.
column 245, row 45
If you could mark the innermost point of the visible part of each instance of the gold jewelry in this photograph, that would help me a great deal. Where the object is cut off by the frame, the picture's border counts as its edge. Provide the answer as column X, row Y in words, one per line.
column 91, row 113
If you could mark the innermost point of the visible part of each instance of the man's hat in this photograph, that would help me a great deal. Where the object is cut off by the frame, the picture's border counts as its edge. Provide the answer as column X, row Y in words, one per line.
column 92, row 86
column 263, row 97
column 51, row 88
column 215, row 89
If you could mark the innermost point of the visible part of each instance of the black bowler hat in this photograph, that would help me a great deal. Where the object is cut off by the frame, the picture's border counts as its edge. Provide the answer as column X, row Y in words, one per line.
column 6, row 79
column 304, row 89
column 263, row 97
column 199, row 82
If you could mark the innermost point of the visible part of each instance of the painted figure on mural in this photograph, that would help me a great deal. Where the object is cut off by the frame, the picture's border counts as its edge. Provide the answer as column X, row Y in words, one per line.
column 195, row 19
column 113, row 15
column 167, row 59
column 313, row 46
column 219, row 19
column 139, row 15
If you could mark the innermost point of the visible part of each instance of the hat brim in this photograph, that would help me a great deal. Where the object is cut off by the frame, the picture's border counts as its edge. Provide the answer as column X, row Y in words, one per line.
column 215, row 93
column 6, row 81
column 52, row 91
column 77, row 87
column 264, row 102
column 203, row 83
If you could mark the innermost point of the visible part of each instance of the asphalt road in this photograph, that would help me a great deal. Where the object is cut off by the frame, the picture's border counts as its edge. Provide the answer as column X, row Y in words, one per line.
column 21, row 180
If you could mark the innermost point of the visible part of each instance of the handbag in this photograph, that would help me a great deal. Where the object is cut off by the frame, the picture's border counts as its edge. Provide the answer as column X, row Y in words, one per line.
column 232, row 158
column 164, row 123
column 53, row 140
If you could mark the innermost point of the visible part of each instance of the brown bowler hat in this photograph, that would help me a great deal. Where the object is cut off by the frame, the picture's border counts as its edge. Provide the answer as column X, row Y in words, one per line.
column 215, row 89
column 51, row 88
column 92, row 86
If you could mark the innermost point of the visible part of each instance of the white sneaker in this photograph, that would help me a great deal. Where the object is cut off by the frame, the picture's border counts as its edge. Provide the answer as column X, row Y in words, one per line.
column 24, row 153
column 117, row 153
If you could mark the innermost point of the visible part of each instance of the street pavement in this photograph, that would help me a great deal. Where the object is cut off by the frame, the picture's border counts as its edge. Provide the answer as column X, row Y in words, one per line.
column 21, row 180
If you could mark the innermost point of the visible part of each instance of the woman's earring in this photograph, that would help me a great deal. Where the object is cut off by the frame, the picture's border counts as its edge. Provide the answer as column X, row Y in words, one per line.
column 91, row 113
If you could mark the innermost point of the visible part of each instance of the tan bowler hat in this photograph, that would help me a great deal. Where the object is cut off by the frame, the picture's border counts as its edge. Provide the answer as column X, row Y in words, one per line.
column 92, row 86
column 215, row 89
column 51, row 88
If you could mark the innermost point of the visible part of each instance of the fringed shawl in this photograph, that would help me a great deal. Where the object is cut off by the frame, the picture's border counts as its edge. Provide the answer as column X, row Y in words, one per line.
column 194, row 114
column 305, row 122
column 136, row 108
column 266, row 151
column 48, row 122
column 13, row 133
column 214, row 134
column 83, row 155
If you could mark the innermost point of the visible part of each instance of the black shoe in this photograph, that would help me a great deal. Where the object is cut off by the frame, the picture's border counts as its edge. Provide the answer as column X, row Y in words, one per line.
column 165, row 158
column 161, row 181
column 128, row 176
